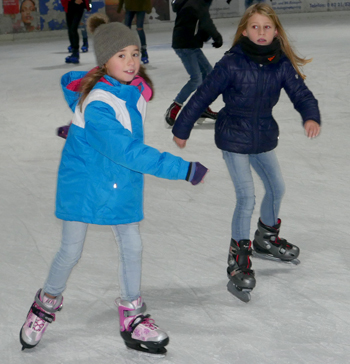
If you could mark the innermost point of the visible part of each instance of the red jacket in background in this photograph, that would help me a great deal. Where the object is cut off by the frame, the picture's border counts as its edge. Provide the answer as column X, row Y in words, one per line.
column 65, row 4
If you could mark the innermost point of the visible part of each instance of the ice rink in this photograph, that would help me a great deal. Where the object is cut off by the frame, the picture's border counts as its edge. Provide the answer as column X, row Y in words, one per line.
column 297, row 314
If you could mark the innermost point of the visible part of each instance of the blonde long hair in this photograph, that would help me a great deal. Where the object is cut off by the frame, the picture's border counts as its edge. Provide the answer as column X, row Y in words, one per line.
column 91, row 78
column 266, row 10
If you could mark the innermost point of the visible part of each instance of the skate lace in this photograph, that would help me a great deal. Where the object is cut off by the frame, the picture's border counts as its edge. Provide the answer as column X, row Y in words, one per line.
column 144, row 320
column 246, row 270
column 243, row 269
column 39, row 323
column 281, row 242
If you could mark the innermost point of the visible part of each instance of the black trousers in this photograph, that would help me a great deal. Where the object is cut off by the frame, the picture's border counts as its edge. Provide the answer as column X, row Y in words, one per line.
column 73, row 17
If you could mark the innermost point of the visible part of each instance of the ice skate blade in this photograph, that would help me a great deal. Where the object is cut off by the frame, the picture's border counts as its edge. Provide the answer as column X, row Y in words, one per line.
column 200, row 121
column 167, row 125
column 154, row 353
column 242, row 294
column 274, row 259
column 24, row 344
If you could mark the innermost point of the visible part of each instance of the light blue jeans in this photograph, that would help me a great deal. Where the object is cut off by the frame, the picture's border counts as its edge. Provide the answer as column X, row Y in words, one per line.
column 197, row 66
column 140, row 18
column 267, row 167
column 73, row 237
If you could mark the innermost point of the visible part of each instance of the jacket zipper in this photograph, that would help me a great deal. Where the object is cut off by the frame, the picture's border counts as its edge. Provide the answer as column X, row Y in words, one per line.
column 256, row 114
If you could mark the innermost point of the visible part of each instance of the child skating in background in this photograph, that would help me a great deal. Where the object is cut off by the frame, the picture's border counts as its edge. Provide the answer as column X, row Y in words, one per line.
column 138, row 8
column 192, row 28
column 82, row 26
column 74, row 12
column 250, row 77
column 100, row 180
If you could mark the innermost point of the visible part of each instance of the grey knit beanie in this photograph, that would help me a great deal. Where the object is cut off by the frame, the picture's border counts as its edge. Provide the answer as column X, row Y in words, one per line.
column 110, row 38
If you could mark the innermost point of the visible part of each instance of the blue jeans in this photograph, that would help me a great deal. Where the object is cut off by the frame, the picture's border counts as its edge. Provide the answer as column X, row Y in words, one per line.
column 73, row 237
column 140, row 18
column 197, row 66
column 267, row 167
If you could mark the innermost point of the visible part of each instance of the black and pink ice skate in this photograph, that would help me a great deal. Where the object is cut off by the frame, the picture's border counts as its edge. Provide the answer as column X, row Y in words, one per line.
column 139, row 331
column 40, row 315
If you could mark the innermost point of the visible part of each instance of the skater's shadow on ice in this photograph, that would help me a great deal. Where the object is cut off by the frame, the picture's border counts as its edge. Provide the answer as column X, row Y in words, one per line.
column 274, row 272
column 189, row 296
column 103, row 319
column 67, row 66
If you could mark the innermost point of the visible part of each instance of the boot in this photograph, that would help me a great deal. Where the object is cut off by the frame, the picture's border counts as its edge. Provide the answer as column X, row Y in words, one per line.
column 85, row 46
column 73, row 58
column 144, row 55
column 171, row 113
column 242, row 277
column 40, row 315
column 268, row 245
column 209, row 114
column 139, row 331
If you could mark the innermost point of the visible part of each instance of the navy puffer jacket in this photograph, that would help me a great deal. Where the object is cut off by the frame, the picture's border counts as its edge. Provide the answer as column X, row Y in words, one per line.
column 250, row 90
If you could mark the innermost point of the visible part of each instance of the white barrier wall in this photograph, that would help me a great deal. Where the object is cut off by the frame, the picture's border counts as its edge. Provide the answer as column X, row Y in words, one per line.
column 220, row 8
column 30, row 16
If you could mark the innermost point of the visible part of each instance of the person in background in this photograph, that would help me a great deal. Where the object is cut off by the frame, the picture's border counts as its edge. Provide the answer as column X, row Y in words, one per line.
column 74, row 12
column 137, row 8
column 82, row 27
column 193, row 26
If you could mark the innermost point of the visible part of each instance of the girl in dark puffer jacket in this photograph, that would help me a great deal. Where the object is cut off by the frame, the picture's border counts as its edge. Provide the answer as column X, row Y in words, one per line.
column 250, row 77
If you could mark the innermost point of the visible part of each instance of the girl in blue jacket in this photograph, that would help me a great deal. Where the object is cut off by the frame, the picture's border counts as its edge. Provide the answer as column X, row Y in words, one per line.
column 250, row 77
column 100, row 180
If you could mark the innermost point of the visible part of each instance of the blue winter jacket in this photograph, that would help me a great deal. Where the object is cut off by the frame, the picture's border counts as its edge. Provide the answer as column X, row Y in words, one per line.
column 100, row 178
column 250, row 91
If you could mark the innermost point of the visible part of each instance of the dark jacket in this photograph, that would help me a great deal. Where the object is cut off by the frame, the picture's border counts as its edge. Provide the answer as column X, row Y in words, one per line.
column 86, row 4
column 135, row 5
column 245, row 125
column 193, row 25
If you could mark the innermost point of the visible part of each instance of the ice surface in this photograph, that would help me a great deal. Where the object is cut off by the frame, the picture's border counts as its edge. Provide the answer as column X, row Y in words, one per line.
column 297, row 314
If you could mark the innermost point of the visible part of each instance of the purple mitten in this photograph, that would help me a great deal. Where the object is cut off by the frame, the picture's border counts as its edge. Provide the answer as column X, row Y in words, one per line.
column 62, row 131
column 196, row 173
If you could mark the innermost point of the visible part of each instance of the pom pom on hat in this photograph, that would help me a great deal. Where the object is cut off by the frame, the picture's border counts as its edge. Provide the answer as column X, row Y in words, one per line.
column 110, row 37
column 96, row 20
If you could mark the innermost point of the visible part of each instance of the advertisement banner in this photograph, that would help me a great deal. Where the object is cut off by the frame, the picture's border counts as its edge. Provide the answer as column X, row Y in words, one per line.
column 10, row 7
column 308, row 6
column 287, row 6
column 26, row 19
column 221, row 9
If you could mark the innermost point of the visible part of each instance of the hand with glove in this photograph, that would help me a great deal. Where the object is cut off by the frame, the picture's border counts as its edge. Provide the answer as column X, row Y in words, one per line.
column 218, row 41
column 196, row 173
column 62, row 131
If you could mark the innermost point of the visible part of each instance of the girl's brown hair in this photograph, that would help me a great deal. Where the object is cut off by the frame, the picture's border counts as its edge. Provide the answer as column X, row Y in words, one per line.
column 91, row 78
column 287, row 49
